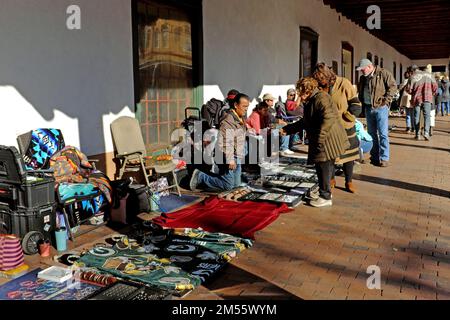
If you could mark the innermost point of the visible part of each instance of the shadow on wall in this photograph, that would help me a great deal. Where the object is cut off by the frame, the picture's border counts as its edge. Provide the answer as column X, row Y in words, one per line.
column 18, row 115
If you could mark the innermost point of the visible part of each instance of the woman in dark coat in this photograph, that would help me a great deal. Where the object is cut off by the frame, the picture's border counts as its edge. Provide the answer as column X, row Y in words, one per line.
column 344, row 96
column 326, row 135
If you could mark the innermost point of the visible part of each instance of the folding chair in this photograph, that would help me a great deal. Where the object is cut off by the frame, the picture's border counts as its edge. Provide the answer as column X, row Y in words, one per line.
column 132, row 152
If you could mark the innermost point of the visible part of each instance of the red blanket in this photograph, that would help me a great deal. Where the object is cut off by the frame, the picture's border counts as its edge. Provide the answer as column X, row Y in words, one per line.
column 219, row 215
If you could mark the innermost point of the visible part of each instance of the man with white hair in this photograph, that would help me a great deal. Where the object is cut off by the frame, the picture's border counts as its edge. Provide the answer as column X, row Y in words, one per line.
column 423, row 87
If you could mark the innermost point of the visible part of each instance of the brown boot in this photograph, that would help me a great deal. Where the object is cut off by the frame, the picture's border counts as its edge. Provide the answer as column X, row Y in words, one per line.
column 350, row 187
column 333, row 183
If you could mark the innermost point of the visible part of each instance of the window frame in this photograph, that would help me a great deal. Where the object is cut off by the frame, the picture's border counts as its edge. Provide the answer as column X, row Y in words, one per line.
column 306, row 33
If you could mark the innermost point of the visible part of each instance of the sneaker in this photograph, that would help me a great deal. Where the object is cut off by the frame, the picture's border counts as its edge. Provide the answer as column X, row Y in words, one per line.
column 313, row 195
column 426, row 137
column 287, row 151
column 194, row 180
column 408, row 129
column 418, row 138
column 321, row 202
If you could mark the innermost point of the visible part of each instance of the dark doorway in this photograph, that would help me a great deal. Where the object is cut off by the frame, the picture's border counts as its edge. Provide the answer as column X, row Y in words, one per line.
column 347, row 61
column 309, row 40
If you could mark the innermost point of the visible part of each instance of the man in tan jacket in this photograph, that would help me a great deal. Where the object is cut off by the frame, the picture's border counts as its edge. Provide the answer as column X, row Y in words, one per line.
column 231, row 147
column 376, row 90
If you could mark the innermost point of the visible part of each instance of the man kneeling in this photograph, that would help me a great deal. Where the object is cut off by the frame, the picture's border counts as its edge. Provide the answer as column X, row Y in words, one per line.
column 231, row 143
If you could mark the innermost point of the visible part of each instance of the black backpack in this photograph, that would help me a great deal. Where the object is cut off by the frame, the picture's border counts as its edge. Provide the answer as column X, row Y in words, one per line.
column 213, row 111
column 280, row 109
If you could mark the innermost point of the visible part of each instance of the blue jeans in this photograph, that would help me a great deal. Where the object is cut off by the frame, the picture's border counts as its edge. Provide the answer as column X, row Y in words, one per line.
column 426, row 109
column 226, row 179
column 444, row 107
column 284, row 140
column 366, row 146
column 410, row 118
column 378, row 128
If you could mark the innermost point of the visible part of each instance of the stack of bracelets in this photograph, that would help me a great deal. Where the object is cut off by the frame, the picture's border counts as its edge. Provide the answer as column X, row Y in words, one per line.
column 93, row 277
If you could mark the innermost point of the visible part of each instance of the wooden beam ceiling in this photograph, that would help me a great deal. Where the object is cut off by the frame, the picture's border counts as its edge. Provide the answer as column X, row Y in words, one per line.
column 416, row 28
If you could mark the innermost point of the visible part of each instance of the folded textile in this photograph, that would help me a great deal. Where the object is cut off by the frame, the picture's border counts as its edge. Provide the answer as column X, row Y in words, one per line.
column 219, row 215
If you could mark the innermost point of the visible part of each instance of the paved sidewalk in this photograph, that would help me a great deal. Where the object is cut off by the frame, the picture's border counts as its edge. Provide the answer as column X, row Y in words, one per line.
column 399, row 221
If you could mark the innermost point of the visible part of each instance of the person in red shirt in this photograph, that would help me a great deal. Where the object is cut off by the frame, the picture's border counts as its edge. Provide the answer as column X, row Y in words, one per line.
column 259, row 119
column 293, row 104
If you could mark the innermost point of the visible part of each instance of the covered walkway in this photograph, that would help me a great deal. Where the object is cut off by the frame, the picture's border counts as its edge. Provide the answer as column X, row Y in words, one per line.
column 398, row 221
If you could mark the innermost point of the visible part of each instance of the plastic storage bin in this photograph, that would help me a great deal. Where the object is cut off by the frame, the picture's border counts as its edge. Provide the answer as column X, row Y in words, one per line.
column 31, row 225
column 20, row 188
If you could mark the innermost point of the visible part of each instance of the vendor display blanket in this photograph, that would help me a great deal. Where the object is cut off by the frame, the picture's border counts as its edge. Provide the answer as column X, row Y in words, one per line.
column 172, row 259
column 29, row 287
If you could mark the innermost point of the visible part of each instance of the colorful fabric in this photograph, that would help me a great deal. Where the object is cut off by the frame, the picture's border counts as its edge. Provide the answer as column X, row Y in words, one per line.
column 43, row 144
column 70, row 165
column 218, row 215
column 68, row 191
column 11, row 254
column 171, row 259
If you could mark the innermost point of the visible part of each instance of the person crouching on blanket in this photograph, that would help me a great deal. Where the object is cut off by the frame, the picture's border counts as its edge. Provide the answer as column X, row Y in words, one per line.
column 231, row 143
column 327, row 137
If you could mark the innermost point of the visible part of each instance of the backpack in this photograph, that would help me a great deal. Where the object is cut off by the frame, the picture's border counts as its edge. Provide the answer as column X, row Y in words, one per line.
column 213, row 111
column 280, row 109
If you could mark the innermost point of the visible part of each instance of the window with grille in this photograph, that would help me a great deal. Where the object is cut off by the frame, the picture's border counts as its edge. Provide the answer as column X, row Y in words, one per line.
column 164, row 67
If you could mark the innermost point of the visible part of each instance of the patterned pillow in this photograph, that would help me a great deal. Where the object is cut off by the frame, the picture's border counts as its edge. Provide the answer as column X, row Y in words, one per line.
column 43, row 144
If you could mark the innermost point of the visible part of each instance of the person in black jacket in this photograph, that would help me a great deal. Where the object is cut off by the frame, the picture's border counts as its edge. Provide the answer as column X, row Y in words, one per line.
column 327, row 137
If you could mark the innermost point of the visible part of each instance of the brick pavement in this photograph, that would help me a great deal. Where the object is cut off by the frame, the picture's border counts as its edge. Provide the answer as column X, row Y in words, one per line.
column 398, row 220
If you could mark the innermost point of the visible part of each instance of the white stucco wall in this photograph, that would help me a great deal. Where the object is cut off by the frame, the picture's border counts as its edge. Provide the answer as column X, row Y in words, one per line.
column 249, row 44
column 78, row 81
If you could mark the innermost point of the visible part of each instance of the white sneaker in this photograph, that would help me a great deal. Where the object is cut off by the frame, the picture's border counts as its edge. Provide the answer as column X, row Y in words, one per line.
column 321, row 202
column 313, row 195
column 194, row 180
column 286, row 152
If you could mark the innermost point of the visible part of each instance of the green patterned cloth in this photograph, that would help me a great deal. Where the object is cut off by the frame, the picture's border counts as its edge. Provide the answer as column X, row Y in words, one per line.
column 170, row 259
